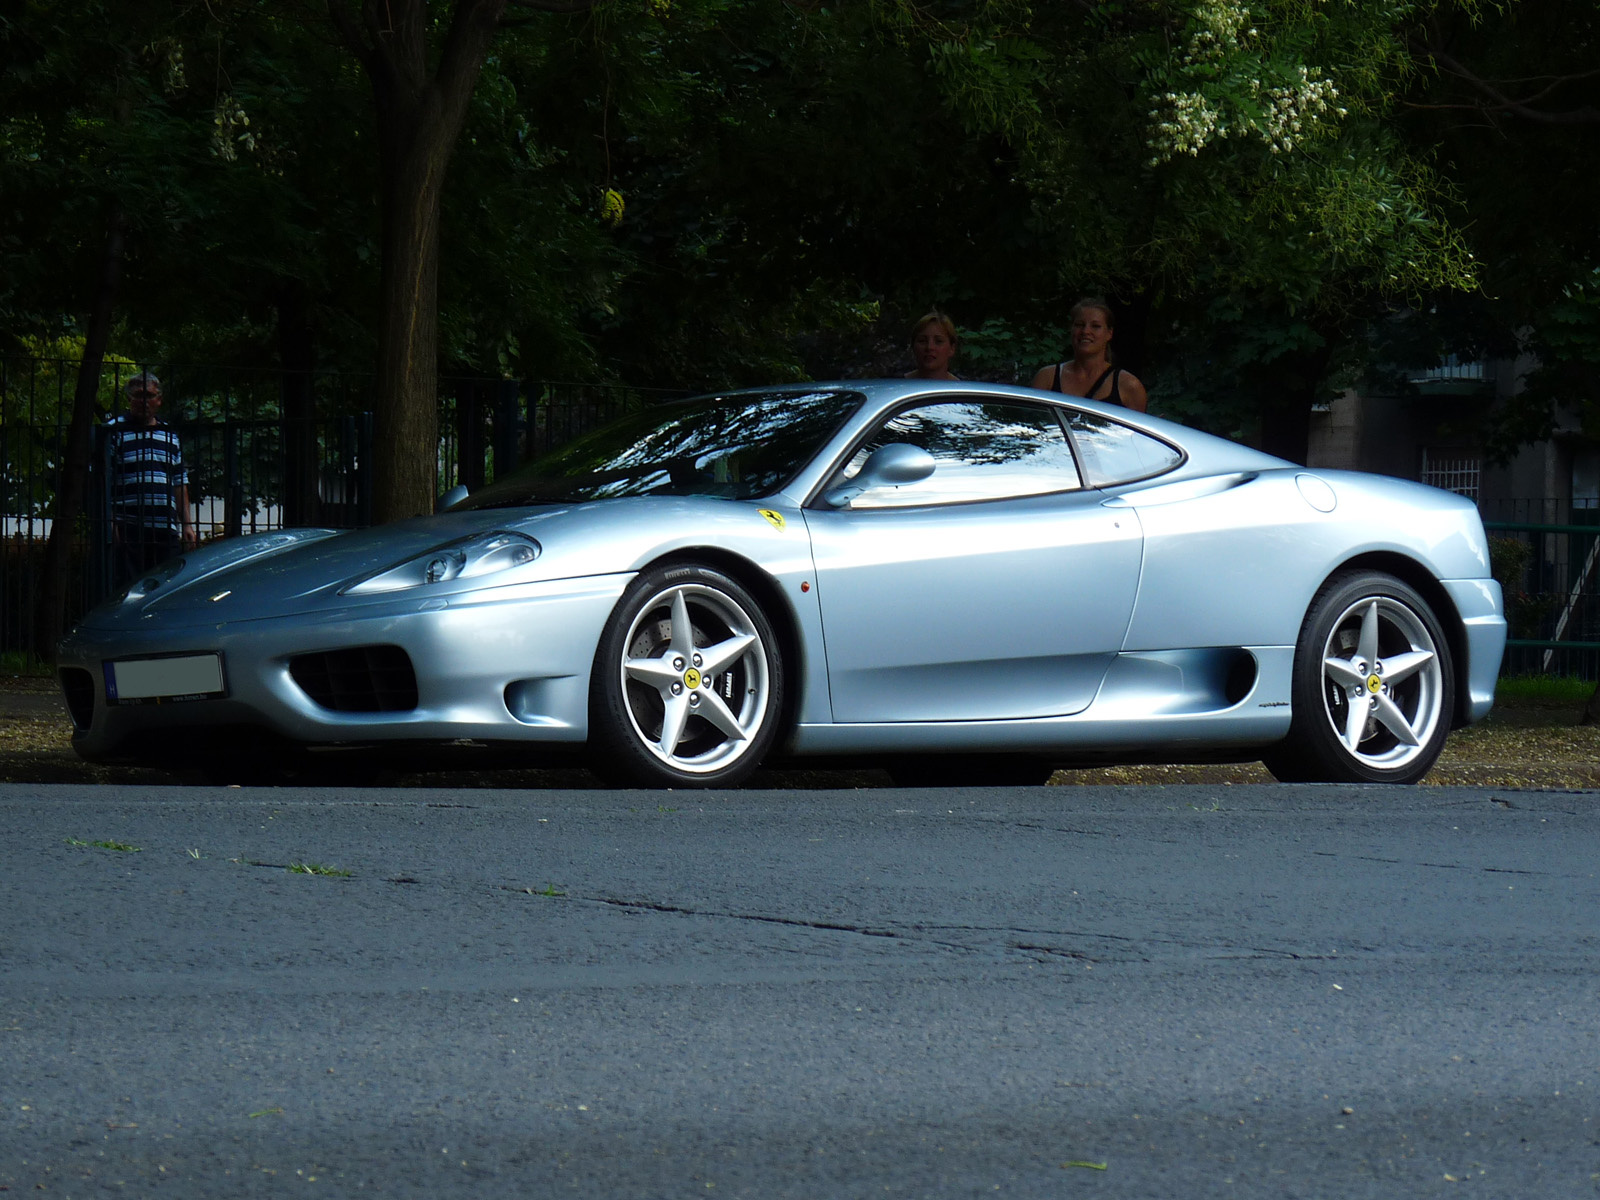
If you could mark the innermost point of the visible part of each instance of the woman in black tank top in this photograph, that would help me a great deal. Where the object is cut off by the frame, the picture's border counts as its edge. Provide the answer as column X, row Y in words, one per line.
column 1091, row 373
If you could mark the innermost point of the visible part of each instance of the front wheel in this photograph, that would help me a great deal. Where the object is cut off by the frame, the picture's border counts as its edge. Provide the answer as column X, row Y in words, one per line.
column 688, row 680
column 1374, row 687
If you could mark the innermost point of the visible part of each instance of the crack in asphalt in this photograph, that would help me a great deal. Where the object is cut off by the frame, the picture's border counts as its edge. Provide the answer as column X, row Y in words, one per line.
column 1049, row 951
column 916, row 933
column 680, row 910
column 1048, row 828
column 1400, row 862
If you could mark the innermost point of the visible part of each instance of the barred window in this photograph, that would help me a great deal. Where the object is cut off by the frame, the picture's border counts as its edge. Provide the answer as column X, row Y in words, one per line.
column 1451, row 370
column 1453, row 470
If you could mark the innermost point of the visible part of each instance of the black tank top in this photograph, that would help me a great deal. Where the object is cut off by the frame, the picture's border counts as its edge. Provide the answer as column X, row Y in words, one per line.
column 1113, row 397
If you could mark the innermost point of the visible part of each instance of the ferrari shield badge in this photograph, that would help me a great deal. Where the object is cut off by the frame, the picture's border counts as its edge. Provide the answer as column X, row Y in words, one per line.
column 775, row 518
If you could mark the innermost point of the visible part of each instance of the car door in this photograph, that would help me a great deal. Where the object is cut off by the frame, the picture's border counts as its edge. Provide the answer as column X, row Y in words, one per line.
column 998, row 587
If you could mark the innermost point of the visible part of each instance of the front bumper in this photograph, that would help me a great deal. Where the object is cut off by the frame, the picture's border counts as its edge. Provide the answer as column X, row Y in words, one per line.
column 503, row 664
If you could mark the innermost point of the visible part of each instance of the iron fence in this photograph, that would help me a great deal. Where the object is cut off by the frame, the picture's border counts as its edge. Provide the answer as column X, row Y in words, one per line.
column 1551, row 573
column 264, row 449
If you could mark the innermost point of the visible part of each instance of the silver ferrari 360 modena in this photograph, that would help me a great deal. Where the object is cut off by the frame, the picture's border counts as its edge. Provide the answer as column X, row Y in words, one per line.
column 958, row 581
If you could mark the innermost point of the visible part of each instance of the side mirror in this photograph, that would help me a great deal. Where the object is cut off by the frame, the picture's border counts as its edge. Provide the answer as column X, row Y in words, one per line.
column 451, row 498
column 894, row 465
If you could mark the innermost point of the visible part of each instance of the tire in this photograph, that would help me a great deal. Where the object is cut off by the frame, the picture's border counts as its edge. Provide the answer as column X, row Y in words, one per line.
column 970, row 770
column 1369, row 644
column 688, row 682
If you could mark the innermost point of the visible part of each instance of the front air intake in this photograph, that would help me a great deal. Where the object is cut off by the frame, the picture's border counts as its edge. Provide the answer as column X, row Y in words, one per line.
column 362, row 679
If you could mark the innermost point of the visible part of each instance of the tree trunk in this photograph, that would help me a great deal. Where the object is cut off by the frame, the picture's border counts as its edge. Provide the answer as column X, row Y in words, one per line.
column 51, row 613
column 296, row 354
column 1288, row 396
column 406, row 422
column 1286, row 426
column 420, row 117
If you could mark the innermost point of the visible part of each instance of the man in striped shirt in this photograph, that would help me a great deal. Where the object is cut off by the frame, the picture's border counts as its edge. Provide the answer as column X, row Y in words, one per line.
column 149, row 486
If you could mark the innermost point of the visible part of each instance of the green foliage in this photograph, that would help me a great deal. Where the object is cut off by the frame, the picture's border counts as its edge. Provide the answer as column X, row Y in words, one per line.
column 313, row 868
column 701, row 193
column 991, row 83
column 1566, row 346
column 220, row 133
column 1215, row 365
column 36, row 396
column 105, row 844
column 1525, row 611
column 37, row 391
column 1539, row 691
column 1508, row 562
column 1521, row 188
column 1006, row 352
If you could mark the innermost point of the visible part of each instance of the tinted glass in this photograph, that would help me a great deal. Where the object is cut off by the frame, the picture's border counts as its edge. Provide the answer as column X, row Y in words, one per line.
column 1115, row 453
column 737, row 447
column 982, row 452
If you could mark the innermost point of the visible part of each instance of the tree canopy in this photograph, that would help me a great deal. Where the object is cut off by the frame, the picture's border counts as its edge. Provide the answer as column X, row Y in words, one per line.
column 698, row 193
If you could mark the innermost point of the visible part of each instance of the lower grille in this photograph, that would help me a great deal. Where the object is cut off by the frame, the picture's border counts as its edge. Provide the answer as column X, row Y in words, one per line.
column 78, row 685
column 361, row 679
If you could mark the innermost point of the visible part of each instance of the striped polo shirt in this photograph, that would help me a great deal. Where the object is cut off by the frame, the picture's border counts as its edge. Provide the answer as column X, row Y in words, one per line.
column 146, row 464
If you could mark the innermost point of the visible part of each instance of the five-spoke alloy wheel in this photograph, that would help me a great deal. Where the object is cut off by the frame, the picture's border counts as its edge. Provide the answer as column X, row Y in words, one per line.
column 688, row 682
column 1374, row 687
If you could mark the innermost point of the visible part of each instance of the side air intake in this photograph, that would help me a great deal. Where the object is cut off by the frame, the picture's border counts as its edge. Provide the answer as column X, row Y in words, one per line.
column 78, row 685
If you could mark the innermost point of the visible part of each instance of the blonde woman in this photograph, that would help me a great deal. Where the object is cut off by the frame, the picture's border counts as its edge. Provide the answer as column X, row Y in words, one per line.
column 933, row 345
column 1093, row 372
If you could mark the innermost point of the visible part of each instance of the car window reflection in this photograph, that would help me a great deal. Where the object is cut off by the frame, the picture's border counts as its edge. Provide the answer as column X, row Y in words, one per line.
column 982, row 451
column 1115, row 453
column 737, row 447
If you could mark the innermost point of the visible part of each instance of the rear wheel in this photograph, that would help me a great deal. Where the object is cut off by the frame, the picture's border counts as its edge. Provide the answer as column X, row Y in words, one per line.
column 687, row 684
column 1373, row 686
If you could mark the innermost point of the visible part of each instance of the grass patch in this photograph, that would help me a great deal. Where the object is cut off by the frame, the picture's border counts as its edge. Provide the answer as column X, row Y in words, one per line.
column 105, row 844
column 1531, row 690
column 549, row 889
column 302, row 868
column 15, row 662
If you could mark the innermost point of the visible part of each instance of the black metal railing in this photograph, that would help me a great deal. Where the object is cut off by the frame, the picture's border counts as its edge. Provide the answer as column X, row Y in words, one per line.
column 1552, row 587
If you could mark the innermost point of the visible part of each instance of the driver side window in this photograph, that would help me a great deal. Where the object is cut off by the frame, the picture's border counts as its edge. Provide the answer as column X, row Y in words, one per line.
column 981, row 451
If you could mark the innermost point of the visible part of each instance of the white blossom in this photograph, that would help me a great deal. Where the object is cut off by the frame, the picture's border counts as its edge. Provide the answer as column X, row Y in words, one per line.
column 1187, row 125
column 1295, row 107
column 1281, row 112
column 230, row 124
column 1217, row 26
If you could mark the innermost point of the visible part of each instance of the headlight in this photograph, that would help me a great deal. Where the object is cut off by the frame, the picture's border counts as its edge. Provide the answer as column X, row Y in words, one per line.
column 469, row 558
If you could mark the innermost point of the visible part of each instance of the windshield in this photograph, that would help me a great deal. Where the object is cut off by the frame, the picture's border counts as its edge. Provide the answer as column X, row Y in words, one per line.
column 735, row 447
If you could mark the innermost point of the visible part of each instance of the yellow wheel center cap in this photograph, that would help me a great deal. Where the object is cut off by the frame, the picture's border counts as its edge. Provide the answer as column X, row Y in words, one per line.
column 1374, row 684
column 691, row 678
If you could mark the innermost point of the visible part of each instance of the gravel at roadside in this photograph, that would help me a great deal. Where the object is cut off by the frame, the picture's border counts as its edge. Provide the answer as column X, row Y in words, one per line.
column 1523, row 746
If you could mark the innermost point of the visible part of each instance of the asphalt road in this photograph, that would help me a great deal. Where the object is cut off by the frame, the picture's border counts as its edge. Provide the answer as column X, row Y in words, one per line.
column 1051, row 992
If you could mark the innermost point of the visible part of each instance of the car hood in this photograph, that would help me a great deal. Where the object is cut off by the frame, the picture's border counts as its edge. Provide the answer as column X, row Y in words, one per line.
column 291, row 571
column 309, row 572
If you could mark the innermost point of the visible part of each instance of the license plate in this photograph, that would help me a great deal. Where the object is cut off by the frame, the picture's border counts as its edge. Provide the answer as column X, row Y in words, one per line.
column 164, row 680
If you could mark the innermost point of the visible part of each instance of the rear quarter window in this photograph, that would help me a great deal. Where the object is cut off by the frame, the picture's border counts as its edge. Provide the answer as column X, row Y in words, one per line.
column 1112, row 452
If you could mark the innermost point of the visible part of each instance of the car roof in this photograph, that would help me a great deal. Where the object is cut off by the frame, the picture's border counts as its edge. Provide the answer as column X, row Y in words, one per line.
column 1204, row 453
